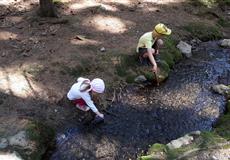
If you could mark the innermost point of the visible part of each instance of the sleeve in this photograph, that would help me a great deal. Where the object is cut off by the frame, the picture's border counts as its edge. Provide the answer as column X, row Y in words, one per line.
column 80, row 79
column 148, row 44
column 86, row 97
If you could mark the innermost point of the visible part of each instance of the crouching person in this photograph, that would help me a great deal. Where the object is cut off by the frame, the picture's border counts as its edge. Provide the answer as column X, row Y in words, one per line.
column 81, row 94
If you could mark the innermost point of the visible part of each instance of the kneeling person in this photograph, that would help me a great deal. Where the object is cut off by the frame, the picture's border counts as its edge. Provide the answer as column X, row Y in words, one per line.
column 149, row 43
column 81, row 92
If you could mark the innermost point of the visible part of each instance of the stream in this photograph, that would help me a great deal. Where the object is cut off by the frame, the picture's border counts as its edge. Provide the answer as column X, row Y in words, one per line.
column 147, row 115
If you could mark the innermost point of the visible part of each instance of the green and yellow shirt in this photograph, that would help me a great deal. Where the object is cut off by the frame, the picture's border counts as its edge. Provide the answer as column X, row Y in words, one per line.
column 146, row 41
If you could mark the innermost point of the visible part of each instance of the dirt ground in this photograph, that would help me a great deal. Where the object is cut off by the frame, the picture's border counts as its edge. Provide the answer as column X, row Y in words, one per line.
column 40, row 58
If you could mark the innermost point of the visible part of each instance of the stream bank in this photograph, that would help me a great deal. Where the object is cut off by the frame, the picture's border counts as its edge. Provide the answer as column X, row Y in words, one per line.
column 184, row 103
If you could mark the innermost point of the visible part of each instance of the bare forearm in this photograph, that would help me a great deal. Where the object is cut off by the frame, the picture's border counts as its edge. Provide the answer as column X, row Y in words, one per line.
column 151, row 58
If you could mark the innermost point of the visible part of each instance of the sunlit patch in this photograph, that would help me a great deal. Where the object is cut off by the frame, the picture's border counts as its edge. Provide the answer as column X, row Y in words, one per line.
column 108, row 24
column 83, row 5
column 13, row 81
column 163, row 1
column 4, row 35
column 6, row 2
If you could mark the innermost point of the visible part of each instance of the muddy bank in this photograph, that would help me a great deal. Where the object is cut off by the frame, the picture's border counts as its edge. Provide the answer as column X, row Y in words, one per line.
column 144, row 116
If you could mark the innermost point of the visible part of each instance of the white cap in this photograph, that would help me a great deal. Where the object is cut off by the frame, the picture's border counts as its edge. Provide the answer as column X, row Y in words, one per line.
column 97, row 85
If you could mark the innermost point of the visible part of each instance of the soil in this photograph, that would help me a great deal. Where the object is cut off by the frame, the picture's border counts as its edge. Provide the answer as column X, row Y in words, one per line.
column 41, row 58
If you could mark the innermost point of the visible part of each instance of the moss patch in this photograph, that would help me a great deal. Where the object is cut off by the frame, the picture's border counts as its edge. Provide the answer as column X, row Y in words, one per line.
column 203, row 31
column 43, row 136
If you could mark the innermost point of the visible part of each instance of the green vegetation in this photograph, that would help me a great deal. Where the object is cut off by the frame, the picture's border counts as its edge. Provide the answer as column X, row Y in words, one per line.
column 223, row 22
column 205, row 141
column 203, row 31
column 210, row 3
column 43, row 136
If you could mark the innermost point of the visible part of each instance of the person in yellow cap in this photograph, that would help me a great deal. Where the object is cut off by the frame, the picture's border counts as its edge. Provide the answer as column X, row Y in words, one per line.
column 149, row 43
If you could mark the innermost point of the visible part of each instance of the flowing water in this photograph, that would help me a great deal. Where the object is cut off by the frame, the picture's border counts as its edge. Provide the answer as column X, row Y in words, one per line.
column 184, row 103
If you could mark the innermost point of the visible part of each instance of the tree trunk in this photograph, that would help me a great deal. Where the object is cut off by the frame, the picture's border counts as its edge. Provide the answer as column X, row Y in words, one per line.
column 47, row 8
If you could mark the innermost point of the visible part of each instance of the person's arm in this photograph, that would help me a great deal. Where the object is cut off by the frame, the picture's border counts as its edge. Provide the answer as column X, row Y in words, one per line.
column 152, row 59
column 86, row 97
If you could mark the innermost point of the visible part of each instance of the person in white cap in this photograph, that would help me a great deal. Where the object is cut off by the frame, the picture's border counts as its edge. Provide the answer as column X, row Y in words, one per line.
column 80, row 94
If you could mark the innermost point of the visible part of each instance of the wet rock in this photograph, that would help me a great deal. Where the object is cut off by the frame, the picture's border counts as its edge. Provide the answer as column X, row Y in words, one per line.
column 10, row 156
column 180, row 142
column 140, row 79
column 102, row 49
column 3, row 143
column 221, row 89
column 225, row 43
column 185, row 48
column 195, row 133
column 3, row 54
column 20, row 139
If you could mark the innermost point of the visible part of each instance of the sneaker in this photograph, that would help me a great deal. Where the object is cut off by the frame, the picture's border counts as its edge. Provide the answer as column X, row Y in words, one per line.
column 82, row 107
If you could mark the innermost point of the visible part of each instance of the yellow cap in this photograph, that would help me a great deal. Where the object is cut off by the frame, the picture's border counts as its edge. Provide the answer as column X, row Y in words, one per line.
column 162, row 29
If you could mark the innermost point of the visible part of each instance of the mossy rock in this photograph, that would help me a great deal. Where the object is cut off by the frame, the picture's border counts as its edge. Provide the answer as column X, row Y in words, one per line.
column 223, row 126
column 162, row 74
column 204, row 31
column 36, row 136
column 168, row 58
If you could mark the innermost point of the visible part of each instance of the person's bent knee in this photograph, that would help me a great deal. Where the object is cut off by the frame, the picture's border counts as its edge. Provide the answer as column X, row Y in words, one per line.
column 160, row 42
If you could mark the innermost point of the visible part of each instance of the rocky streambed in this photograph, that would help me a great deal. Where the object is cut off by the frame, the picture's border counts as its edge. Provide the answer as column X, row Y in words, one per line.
column 147, row 115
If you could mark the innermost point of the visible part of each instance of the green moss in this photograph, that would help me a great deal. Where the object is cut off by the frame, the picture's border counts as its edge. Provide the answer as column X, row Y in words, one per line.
column 228, row 106
column 223, row 126
column 121, row 71
column 157, row 147
column 43, row 136
column 124, row 63
column 170, row 48
column 164, row 66
column 223, row 22
column 168, row 58
column 130, row 78
column 210, row 3
column 210, row 139
column 203, row 31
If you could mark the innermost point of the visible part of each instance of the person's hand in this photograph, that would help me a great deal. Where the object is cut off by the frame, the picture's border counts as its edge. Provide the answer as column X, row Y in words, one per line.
column 101, row 115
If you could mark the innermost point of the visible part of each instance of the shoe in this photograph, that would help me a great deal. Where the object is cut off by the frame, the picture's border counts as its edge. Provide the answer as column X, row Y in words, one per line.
column 83, row 107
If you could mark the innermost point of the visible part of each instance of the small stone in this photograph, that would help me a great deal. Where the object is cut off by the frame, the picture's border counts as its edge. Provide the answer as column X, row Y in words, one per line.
column 225, row 43
column 25, row 54
column 140, row 79
column 174, row 144
column 195, row 133
column 221, row 89
column 102, row 49
column 3, row 143
column 55, row 110
column 3, row 54
column 44, row 34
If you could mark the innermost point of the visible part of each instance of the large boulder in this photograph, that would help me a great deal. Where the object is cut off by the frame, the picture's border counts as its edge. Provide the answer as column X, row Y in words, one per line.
column 185, row 49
